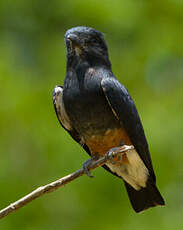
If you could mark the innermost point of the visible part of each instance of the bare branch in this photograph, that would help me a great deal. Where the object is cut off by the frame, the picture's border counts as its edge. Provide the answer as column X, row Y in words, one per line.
column 61, row 182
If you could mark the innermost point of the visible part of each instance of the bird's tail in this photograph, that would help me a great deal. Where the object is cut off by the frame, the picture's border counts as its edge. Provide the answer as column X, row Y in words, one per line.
column 145, row 197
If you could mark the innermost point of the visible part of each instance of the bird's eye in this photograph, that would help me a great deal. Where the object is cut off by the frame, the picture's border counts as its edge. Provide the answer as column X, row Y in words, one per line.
column 92, row 41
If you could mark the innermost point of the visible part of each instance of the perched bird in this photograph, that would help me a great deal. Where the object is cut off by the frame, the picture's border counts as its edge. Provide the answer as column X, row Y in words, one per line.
column 100, row 115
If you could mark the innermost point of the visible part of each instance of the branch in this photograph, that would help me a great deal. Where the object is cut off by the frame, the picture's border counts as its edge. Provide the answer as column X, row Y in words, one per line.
column 62, row 181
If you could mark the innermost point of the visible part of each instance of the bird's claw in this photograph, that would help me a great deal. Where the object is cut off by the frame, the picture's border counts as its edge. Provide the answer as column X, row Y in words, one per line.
column 118, row 159
column 110, row 155
column 86, row 164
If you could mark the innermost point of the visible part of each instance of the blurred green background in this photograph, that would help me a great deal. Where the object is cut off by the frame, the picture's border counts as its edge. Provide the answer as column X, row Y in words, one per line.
column 146, row 51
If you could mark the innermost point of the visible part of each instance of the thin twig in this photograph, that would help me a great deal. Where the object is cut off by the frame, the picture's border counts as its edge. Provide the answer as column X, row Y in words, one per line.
column 60, row 182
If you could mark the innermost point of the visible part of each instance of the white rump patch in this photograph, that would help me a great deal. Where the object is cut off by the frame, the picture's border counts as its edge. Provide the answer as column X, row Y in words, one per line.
column 134, row 172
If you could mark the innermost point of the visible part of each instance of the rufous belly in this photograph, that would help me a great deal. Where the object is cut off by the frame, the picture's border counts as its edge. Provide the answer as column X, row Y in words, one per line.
column 130, row 166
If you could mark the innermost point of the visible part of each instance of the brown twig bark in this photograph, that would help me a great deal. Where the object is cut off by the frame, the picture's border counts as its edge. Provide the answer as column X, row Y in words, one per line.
column 61, row 182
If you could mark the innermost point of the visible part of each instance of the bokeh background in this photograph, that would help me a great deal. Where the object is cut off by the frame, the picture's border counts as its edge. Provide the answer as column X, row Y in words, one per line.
column 146, row 50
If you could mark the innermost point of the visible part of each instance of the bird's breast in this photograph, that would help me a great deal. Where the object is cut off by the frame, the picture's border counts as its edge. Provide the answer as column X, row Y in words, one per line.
column 87, row 106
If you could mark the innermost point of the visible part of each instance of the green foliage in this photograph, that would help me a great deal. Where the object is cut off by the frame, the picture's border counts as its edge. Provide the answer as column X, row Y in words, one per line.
column 145, row 45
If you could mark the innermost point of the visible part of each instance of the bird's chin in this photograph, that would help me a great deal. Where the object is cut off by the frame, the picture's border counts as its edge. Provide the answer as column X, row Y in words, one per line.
column 77, row 50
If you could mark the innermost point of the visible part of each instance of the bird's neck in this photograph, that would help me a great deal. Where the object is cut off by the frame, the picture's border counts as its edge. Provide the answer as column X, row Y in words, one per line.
column 87, row 61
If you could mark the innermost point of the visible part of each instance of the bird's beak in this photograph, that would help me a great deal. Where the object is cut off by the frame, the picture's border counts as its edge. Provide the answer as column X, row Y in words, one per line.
column 73, row 41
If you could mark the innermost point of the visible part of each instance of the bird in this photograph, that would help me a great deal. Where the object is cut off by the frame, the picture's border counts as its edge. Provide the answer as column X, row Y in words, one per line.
column 99, row 113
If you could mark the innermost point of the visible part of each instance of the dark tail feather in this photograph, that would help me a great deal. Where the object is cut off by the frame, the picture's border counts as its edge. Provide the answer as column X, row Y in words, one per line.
column 145, row 197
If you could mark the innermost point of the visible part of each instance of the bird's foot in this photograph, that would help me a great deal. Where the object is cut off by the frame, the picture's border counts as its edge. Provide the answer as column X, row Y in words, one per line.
column 118, row 159
column 87, row 164
column 110, row 154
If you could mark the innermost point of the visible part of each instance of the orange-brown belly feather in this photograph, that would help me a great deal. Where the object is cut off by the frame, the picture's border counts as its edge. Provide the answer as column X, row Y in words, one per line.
column 112, row 138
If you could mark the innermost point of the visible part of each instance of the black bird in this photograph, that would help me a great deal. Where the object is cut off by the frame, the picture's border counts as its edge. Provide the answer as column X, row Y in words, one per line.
column 99, row 114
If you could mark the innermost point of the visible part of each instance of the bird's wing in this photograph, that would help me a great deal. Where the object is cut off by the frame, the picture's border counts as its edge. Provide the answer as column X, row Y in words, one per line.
column 63, row 117
column 124, row 109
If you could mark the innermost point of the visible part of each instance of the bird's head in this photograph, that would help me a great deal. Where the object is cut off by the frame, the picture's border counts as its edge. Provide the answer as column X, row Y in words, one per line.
column 86, row 43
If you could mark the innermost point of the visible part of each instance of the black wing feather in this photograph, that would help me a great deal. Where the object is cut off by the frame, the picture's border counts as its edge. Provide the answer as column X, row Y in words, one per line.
column 123, row 106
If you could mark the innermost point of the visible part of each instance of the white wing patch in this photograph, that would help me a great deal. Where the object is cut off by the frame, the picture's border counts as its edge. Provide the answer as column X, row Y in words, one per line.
column 62, row 115
column 134, row 172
